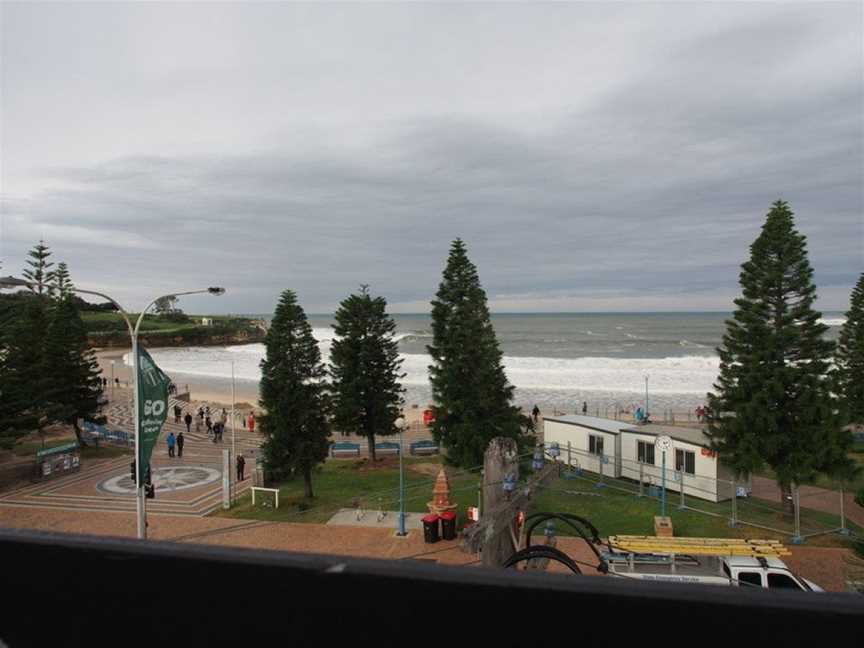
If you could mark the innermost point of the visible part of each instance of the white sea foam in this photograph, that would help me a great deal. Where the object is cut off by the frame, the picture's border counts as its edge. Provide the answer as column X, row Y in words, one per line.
column 673, row 375
column 832, row 321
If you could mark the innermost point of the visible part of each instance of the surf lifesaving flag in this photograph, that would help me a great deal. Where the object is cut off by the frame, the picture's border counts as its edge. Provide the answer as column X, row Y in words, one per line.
column 152, row 406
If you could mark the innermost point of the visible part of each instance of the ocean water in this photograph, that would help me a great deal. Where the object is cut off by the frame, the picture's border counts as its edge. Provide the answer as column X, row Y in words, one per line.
column 554, row 360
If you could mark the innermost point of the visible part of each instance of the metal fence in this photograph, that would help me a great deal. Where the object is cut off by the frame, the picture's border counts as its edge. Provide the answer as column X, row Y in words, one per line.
column 105, row 434
column 810, row 511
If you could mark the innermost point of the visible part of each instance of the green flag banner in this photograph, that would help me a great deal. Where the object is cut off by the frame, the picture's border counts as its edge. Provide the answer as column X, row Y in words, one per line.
column 152, row 405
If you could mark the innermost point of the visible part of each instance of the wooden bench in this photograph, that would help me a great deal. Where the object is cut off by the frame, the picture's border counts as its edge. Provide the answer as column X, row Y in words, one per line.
column 386, row 447
column 345, row 449
column 424, row 447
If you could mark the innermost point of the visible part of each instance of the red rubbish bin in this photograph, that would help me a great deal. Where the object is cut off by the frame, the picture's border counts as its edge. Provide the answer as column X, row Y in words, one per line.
column 448, row 525
column 428, row 417
column 430, row 529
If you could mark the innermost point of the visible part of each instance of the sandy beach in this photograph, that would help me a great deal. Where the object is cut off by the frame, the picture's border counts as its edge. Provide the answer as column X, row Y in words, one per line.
column 202, row 392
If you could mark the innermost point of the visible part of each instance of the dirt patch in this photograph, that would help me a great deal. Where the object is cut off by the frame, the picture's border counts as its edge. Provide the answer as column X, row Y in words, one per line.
column 430, row 469
column 382, row 463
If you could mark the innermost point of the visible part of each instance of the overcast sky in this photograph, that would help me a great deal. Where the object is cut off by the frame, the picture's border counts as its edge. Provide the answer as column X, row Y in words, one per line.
column 592, row 156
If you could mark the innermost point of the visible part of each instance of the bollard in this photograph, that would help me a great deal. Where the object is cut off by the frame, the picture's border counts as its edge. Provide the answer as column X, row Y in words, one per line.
column 733, row 522
column 843, row 529
column 796, row 504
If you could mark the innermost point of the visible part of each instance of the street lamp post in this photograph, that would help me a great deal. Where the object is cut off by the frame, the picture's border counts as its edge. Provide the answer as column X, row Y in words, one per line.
column 233, row 423
column 400, row 424
column 646, row 396
column 12, row 282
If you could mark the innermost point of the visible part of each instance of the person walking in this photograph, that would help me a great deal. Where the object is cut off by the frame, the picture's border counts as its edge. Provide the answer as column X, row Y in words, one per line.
column 180, row 441
column 535, row 413
column 209, row 423
column 241, row 467
column 252, row 421
column 199, row 420
column 188, row 421
column 584, row 408
column 171, row 441
column 177, row 413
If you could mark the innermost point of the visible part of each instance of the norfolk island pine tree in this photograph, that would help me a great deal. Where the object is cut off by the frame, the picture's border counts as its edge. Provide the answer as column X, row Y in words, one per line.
column 471, row 394
column 73, row 376
column 39, row 272
column 773, row 402
column 23, row 372
column 364, row 369
column 294, row 396
column 849, row 358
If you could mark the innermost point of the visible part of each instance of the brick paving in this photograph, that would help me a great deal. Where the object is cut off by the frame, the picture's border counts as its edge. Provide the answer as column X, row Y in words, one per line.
column 826, row 567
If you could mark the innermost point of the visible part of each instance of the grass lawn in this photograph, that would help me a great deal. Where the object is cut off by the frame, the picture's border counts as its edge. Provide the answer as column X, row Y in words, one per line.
column 87, row 452
column 103, row 321
column 614, row 512
column 32, row 447
column 339, row 482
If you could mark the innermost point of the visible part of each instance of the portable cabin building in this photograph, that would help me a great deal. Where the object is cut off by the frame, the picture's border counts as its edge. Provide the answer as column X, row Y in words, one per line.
column 618, row 449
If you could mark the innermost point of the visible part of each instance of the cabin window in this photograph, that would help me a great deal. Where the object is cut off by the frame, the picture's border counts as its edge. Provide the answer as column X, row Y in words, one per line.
column 595, row 444
column 686, row 461
column 782, row 581
column 750, row 578
column 645, row 452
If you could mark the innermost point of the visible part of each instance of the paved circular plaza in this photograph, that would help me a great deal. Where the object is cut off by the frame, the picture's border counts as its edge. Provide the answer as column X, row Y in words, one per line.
column 170, row 479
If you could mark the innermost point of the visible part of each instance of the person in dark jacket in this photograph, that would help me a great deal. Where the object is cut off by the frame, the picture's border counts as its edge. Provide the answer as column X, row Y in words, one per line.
column 180, row 441
column 241, row 467
column 188, row 420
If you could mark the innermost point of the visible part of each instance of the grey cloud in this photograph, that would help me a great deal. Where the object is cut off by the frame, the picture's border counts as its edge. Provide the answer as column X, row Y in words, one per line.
column 655, row 186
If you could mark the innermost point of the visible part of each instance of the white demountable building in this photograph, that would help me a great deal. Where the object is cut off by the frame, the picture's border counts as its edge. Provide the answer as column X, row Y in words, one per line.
column 618, row 449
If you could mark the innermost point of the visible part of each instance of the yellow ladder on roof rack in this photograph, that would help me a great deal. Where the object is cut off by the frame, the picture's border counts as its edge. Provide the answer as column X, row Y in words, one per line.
column 699, row 546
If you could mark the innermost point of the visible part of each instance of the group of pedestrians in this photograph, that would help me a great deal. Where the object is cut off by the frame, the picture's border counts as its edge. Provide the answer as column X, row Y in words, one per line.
column 204, row 417
column 177, row 441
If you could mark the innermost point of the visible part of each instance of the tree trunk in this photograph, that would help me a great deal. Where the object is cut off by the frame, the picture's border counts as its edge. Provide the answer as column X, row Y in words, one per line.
column 370, row 439
column 78, row 436
column 786, row 500
column 307, row 483
column 500, row 458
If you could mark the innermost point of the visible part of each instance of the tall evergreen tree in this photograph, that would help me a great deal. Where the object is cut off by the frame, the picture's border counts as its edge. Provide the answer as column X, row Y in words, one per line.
column 773, row 404
column 294, row 396
column 364, row 366
column 24, row 405
column 39, row 272
column 61, row 284
column 472, row 398
column 850, row 358
column 74, row 383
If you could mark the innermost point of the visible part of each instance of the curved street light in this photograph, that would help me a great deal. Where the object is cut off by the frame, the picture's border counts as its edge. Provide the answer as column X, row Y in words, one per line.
column 14, row 282
column 400, row 425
